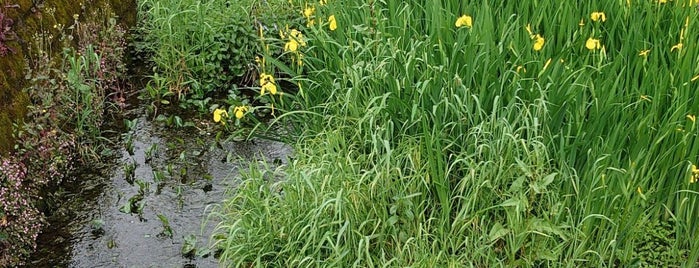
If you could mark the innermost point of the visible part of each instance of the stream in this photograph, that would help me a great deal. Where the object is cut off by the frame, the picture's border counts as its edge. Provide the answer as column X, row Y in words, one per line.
column 148, row 207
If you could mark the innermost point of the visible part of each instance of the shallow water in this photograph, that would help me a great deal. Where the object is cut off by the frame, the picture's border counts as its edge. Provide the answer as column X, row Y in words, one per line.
column 186, row 173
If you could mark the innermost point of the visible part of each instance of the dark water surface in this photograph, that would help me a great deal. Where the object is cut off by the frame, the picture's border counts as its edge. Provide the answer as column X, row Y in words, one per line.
column 187, row 172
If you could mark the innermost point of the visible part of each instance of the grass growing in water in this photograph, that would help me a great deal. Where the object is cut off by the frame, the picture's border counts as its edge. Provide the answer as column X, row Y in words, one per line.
column 537, row 133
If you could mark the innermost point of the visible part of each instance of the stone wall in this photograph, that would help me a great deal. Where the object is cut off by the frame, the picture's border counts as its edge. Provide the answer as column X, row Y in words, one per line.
column 29, row 17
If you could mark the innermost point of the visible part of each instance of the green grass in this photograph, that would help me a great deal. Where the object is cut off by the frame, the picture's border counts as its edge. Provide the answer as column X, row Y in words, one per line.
column 422, row 145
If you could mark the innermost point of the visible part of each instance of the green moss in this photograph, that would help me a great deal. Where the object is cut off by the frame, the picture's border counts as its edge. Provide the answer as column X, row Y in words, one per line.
column 11, row 113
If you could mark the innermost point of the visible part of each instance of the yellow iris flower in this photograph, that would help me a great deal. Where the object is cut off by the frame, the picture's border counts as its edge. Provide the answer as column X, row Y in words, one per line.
column 220, row 115
column 308, row 12
column 240, row 111
column 598, row 16
column 333, row 22
column 295, row 40
column 538, row 39
column 538, row 42
column 267, row 84
column 464, row 21
column 291, row 45
column 593, row 44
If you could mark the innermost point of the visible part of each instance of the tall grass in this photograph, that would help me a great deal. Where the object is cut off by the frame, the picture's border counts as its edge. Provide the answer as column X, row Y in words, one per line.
column 428, row 145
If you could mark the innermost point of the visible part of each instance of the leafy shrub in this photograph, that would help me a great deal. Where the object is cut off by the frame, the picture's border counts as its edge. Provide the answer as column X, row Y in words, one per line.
column 229, row 55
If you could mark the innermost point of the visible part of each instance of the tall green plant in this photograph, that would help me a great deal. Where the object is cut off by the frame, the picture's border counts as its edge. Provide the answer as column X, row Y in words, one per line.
column 536, row 133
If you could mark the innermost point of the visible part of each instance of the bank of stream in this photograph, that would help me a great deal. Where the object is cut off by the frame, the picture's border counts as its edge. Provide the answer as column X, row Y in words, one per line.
column 147, row 207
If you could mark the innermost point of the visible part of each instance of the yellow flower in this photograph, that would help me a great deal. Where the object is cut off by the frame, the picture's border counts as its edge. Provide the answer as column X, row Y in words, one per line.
column 295, row 40
column 298, row 36
column 694, row 177
column 308, row 12
column 538, row 39
column 592, row 44
column 323, row 2
column 464, row 21
column 240, row 111
column 538, row 42
column 310, row 23
column 266, row 78
column 597, row 16
column 219, row 115
column 291, row 45
column 662, row 1
column 678, row 47
column 644, row 53
column 692, row 118
column 333, row 22
column 267, row 84
column 272, row 88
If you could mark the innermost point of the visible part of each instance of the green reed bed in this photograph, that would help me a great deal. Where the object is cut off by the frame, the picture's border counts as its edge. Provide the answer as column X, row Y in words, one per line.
column 535, row 134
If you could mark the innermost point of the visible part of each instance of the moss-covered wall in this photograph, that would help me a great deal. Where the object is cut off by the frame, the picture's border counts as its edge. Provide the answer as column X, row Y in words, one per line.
column 29, row 18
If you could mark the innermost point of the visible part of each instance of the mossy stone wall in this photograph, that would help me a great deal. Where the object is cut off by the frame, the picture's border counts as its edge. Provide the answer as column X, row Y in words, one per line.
column 29, row 18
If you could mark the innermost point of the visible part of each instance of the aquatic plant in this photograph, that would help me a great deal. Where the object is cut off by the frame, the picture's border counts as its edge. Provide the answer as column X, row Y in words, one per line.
column 167, row 229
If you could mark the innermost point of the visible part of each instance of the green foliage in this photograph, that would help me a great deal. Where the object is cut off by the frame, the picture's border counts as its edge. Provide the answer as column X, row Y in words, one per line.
column 229, row 55
column 427, row 145
column 189, row 247
column 69, row 96
column 167, row 229
column 656, row 246
column 85, row 98
column 198, row 48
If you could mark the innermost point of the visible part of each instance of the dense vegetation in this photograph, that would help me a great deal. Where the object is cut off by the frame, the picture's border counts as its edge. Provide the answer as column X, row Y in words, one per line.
column 427, row 133
column 74, row 78
column 480, row 133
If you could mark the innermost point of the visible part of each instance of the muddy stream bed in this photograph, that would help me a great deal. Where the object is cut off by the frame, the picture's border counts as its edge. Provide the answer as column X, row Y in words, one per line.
column 149, row 204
